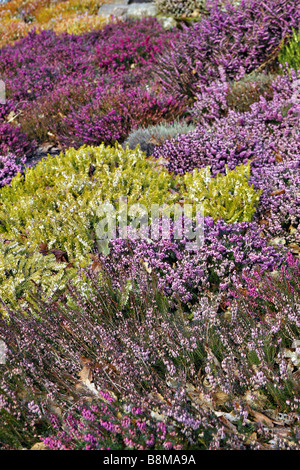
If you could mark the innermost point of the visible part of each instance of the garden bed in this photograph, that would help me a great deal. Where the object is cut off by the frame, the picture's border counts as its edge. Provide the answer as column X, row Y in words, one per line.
column 124, row 328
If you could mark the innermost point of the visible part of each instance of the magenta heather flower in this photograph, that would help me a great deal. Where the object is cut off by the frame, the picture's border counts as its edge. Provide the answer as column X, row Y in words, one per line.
column 13, row 140
column 43, row 65
column 168, row 445
column 111, row 115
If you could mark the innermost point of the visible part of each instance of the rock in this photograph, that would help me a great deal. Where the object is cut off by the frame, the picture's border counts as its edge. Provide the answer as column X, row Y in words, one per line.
column 140, row 10
column 125, row 10
column 117, row 10
column 117, row 2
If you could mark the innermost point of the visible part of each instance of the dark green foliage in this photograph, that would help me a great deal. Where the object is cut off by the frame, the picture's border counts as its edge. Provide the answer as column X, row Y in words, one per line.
column 290, row 53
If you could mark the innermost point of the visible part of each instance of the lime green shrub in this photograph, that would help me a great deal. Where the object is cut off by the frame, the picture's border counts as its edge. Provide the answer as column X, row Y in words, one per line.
column 227, row 196
column 290, row 52
column 49, row 216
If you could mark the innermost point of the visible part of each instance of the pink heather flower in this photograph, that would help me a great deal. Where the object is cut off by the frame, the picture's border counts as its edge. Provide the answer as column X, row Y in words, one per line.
column 129, row 442
column 88, row 415
column 141, row 425
column 150, row 442
column 107, row 397
column 126, row 422
column 168, row 445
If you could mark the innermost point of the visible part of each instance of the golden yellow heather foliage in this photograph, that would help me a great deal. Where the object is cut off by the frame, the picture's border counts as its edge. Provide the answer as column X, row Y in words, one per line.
column 18, row 18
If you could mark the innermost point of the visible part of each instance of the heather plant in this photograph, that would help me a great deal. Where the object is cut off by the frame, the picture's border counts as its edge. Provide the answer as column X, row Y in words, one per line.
column 152, row 136
column 184, row 333
column 7, row 110
column 107, row 426
column 186, row 272
column 236, row 37
column 10, row 166
column 51, row 11
column 108, row 373
column 13, row 140
column 289, row 53
column 81, row 111
column 230, row 139
column 12, row 29
column 43, row 119
column 26, row 82
column 75, row 24
column 267, row 313
column 19, row 18
column 15, row 145
column 212, row 101
column 135, row 49
column 87, row 56
column 87, row 94
column 111, row 116
column 279, row 206
column 25, row 9
column 142, row 388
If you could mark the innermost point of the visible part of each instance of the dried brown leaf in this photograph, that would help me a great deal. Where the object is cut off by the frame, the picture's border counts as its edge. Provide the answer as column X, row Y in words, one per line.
column 220, row 398
column 277, row 192
column 96, row 265
column 295, row 248
column 261, row 418
column 279, row 418
column 85, row 374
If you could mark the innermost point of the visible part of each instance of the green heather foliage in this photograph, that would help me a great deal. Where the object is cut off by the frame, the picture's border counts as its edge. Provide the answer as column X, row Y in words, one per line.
column 49, row 216
column 227, row 196
column 290, row 52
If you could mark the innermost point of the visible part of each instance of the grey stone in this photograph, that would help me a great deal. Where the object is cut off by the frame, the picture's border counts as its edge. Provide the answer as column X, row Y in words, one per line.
column 118, row 2
column 123, row 10
column 115, row 9
column 139, row 10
